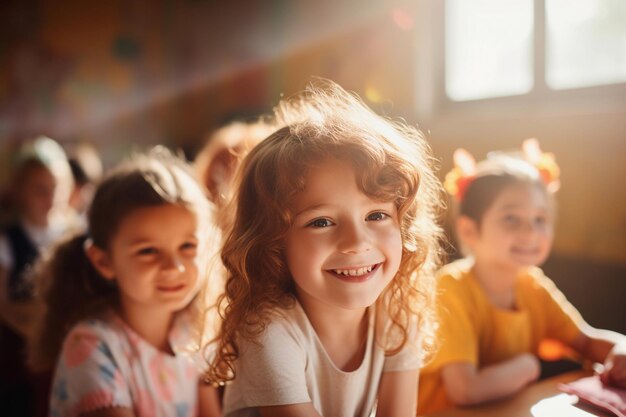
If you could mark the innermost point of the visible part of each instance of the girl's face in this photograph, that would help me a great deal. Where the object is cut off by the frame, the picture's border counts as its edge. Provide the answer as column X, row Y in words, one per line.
column 516, row 231
column 37, row 195
column 153, row 258
column 343, row 248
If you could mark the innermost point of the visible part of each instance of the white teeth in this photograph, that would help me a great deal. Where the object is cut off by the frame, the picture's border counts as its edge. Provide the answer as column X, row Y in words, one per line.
column 354, row 272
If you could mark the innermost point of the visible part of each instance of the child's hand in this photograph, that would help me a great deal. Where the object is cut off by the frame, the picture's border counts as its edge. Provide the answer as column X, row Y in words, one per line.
column 533, row 365
column 614, row 372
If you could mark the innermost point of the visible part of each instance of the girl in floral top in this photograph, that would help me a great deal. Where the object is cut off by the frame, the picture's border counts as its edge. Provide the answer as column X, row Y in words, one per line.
column 119, row 299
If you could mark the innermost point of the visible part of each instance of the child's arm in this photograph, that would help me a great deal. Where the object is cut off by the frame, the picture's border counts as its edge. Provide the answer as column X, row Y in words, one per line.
column 208, row 401
column 397, row 394
column 467, row 385
column 604, row 346
column 597, row 345
column 293, row 410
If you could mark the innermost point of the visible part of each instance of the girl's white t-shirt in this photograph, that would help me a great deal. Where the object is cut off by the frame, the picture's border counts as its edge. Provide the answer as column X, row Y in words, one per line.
column 290, row 366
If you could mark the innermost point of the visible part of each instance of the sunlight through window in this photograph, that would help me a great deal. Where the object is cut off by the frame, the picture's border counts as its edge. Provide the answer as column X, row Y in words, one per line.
column 585, row 43
column 488, row 48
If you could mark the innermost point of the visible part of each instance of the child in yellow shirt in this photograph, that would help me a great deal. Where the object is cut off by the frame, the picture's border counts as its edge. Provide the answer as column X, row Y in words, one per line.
column 497, row 306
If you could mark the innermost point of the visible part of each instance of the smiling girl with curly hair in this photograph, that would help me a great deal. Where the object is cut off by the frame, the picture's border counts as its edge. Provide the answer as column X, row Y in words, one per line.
column 330, row 260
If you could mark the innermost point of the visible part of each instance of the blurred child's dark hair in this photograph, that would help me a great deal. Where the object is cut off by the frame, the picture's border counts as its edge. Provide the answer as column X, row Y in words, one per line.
column 475, row 186
column 68, row 285
column 484, row 190
column 85, row 164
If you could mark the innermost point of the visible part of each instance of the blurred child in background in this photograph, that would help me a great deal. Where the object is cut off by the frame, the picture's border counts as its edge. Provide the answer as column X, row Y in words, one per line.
column 216, row 166
column 87, row 170
column 38, row 195
column 119, row 298
column 40, row 187
column 218, row 161
column 496, row 307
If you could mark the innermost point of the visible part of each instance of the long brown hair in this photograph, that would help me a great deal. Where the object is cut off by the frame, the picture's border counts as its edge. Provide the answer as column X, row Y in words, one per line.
column 392, row 162
column 68, row 285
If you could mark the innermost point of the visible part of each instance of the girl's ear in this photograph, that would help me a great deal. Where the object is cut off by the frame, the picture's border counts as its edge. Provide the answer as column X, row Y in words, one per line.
column 100, row 260
column 220, row 174
column 467, row 231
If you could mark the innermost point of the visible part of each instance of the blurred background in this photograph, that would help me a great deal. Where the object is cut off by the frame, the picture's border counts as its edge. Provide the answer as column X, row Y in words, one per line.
column 480, row 74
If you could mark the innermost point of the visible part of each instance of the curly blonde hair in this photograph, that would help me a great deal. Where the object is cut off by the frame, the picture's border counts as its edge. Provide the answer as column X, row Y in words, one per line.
column 392, row 162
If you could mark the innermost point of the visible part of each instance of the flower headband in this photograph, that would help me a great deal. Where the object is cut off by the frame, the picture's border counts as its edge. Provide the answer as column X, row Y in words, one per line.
column 466, row 169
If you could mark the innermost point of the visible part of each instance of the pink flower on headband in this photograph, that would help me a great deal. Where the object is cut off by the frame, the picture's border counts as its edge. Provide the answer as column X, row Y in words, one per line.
column 461, row 176
column 464, row 172
column 544, row 162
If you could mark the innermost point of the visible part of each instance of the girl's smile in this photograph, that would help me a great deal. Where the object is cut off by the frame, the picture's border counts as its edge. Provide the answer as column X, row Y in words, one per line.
column 526, row 251
column 171, row 288
column 356, row 274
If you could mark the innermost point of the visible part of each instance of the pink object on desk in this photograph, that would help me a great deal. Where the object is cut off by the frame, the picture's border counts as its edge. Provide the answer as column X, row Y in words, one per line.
column 591, row 390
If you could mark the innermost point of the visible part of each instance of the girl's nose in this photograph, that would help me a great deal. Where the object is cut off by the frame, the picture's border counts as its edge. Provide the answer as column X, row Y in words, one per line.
column 174, row 263
column 354, row 238
column 528, row 228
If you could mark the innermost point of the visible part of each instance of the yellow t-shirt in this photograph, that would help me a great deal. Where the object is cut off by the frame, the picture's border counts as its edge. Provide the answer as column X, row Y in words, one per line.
column 474, row 331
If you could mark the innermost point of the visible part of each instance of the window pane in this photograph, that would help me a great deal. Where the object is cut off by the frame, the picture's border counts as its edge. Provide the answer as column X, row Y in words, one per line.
column 586, row 42
column 488, row 48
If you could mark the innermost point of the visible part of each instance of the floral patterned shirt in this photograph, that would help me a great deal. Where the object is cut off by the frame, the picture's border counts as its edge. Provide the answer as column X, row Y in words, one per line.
column 104, row 363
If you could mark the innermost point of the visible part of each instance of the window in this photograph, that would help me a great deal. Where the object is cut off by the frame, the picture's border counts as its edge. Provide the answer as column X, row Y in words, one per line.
column 496, row 48
column 488, row 48
column 585, row 43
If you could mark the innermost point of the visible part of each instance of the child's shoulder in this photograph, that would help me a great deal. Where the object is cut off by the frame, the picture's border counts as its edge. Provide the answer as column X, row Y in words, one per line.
column 97, row 325
column 456, row 272
column 534, row 279
column 94, row 330
column 90, row 341
column 291, row 319
column 287, row 333
column 287, row 325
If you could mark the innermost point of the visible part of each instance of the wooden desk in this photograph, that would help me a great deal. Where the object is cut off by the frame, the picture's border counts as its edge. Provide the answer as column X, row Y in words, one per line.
column 542, row 399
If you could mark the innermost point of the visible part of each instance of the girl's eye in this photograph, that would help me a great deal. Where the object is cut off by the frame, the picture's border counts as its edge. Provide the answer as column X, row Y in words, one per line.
column 377, row 216
column 511, row 219
column 189, row 246
column 147, row 251
column 319, row 223
column 541, row 220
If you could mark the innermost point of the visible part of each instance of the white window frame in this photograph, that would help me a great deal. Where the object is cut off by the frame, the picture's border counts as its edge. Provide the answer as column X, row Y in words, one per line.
column 432, row 100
